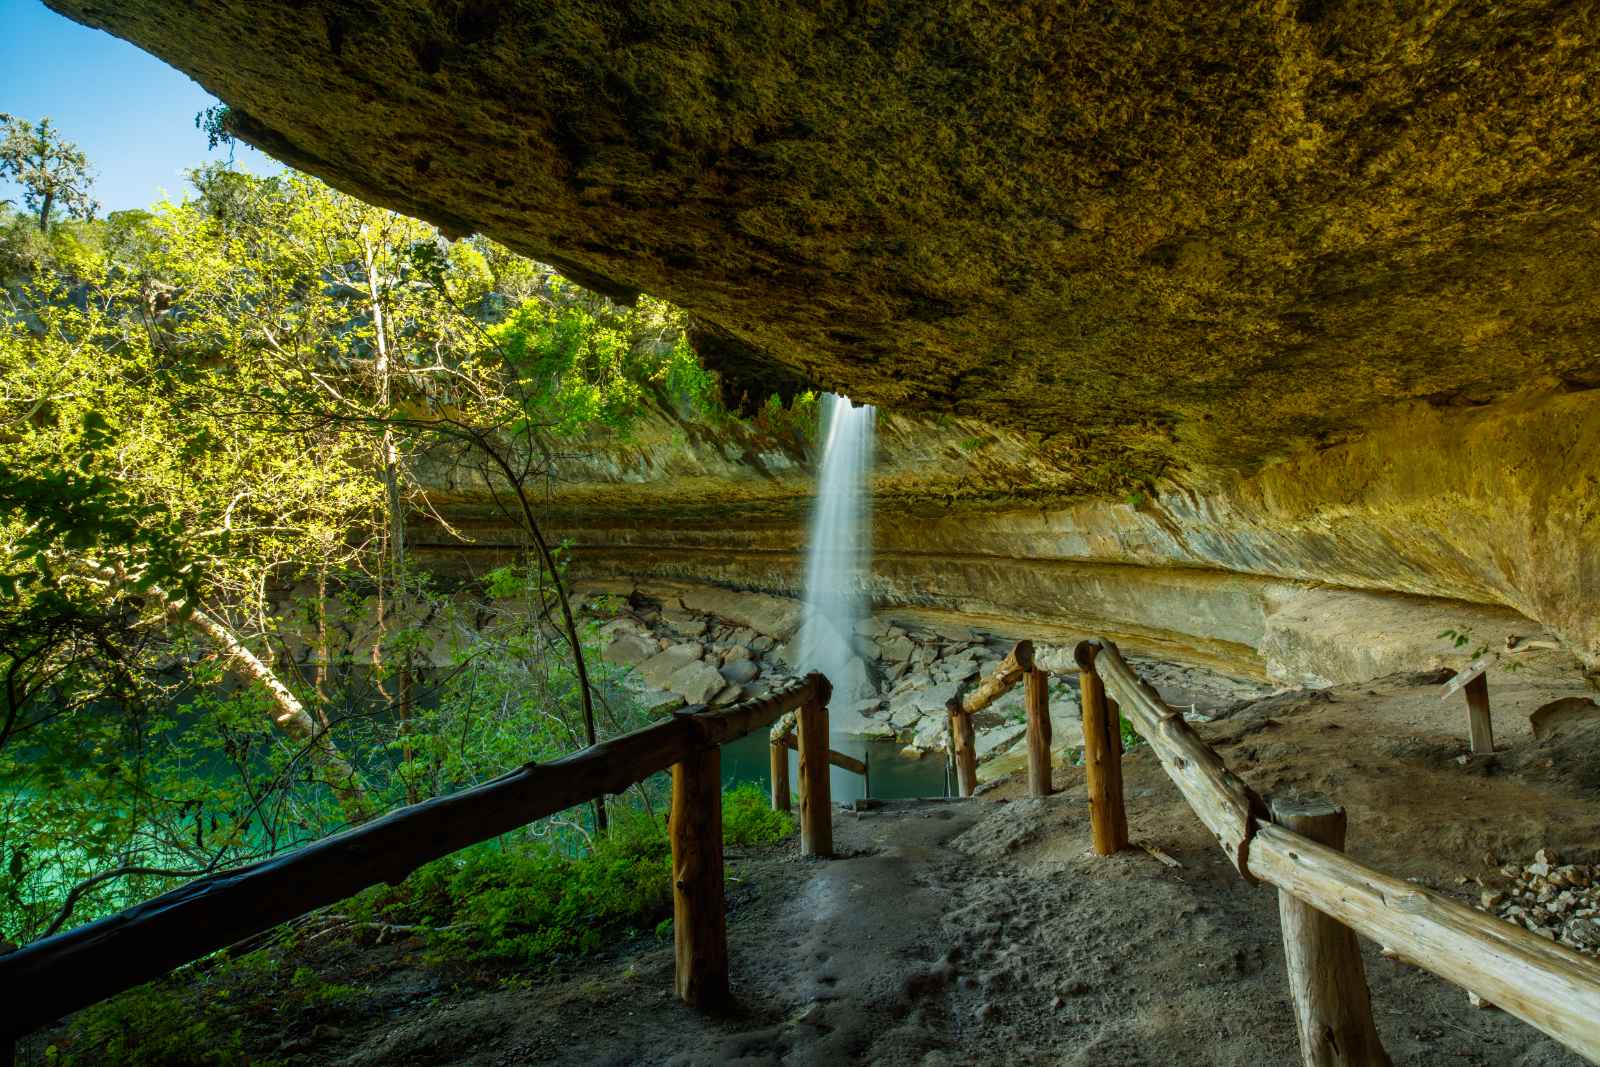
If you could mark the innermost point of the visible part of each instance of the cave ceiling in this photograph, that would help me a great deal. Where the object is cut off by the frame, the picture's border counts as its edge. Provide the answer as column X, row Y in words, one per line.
column 1160, row 235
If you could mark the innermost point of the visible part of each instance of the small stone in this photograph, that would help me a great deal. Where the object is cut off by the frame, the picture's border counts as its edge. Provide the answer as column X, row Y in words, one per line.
column 1478, row 1002
column 740, row 671
column 911, row 752
column 1540, row 868
column 1546, row 856
column 629, row 650
column 1491, row 899
column 1058, row 1003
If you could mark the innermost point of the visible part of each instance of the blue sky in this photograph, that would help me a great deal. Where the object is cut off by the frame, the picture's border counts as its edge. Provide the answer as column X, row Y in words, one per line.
column 131, row 113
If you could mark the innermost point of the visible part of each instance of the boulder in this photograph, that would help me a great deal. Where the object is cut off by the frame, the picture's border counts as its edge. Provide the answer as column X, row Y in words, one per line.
column 761, row 643
column 957, row 669
column 629, row 650
column 855, row 684
column 853, row 719
column 741, row 671
column 872, row 626
column 684, row 624
column 905, row 716
column 933, row 733
column 655, row 702
column 658, row 670
column 895, row 649
column 735, row 653
column 996, row 739
column 932, row 700
column 775, row 616
column 728, row 694
column 697, row 681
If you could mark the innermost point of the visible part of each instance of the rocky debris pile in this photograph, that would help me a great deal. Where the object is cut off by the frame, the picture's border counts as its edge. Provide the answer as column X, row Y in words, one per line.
column 1558, row 901
column 693, row 647
column 898, row 680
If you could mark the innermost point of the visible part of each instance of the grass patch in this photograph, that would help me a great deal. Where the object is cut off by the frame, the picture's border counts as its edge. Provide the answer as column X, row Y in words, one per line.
column 531, row 903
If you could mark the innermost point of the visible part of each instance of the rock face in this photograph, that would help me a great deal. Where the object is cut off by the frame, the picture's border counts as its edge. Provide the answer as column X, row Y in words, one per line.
column 1155, row 231
column 1250, row 320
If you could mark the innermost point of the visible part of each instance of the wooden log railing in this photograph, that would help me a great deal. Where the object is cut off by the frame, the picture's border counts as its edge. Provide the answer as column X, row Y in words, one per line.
column 1545, row 984
column 1017, row 667
column 58, row 975
column 787, row 734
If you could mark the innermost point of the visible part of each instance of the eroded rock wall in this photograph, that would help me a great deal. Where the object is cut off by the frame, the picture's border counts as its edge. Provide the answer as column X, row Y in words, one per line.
column 1330, row 565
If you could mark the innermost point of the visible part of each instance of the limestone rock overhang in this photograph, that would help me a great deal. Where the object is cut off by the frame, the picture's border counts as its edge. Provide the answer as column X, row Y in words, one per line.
column 1165, row 235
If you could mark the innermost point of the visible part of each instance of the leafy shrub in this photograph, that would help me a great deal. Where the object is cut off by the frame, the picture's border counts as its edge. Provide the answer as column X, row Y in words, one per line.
column 748, row 818
column 530, row 902
column 154, row 1024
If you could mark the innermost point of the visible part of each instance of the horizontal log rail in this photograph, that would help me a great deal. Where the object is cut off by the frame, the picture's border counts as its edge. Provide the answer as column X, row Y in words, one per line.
column 835, row 757
column 58, row 975
column 1017, row 667
column 1545, row 984
column 785, row 734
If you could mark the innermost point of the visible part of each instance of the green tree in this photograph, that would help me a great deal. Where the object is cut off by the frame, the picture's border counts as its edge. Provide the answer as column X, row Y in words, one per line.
column 53, row 173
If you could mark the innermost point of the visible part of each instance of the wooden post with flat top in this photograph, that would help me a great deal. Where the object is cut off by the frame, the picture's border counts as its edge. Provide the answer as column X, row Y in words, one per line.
column 1332, row 1005
column 1478, row 716
column 1102, row 757
column 1037, row 694
column 1474, row 679
column 699, row 918
column 816, row 801
column 963, row 748
column 778, row 761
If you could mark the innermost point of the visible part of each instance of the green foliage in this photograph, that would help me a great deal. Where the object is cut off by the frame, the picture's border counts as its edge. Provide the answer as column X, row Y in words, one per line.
column 530, row 901
column 53, row 173
column 1131, row 738
column 195, row 417
column 1461, row 638
column 580, row 364
column 797, row 422
column 152, row 1026
column 748, row 818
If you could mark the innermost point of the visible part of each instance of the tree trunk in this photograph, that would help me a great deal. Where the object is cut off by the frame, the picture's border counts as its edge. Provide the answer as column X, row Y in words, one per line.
column 569, row 624
column 291, row 716
column 395, row 527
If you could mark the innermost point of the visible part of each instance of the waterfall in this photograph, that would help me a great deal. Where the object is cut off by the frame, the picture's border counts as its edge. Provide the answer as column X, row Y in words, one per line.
column 841, row 550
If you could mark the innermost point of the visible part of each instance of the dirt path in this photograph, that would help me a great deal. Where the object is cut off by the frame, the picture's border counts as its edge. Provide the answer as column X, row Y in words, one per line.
column 983, row 931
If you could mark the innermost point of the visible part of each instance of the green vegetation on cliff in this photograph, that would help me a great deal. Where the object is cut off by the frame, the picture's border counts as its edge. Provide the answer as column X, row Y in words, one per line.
column 215, row 637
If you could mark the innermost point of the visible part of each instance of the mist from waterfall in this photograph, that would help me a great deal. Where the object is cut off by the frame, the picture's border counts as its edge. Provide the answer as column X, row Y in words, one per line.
column 841, row 549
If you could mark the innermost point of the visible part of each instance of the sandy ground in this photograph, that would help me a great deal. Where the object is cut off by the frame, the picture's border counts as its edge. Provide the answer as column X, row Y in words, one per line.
column 983, row 931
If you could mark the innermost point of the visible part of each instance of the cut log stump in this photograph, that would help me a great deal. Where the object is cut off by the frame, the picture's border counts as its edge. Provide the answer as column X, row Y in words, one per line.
column 699, row 917
column 816, row 800
column 1332, row 1005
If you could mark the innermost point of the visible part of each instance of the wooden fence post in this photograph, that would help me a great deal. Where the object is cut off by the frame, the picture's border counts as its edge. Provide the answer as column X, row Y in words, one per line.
column 1478, row 716
column 1102, row 744
column 699, row 918
column 778, row 759
column 816, row 801
column 1332, row 1005
column 1037, row 694
column 963, row 748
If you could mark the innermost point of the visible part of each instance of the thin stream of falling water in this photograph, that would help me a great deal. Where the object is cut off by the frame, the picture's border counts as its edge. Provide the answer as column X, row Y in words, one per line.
column 841, row 548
